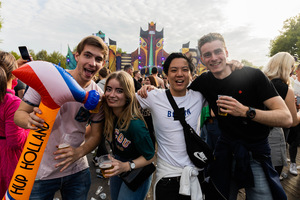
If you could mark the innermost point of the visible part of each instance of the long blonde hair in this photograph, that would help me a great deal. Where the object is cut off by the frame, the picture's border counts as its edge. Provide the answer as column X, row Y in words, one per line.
column 130, row 110
column 280, row 66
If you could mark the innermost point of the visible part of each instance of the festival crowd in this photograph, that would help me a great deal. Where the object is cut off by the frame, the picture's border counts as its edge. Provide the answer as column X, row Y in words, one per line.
column 247, row 118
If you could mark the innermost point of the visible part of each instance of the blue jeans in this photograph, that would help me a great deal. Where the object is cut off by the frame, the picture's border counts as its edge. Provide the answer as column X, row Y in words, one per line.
column 120, row 191
column 261, row 190
column 210, row 132
column 72, row 187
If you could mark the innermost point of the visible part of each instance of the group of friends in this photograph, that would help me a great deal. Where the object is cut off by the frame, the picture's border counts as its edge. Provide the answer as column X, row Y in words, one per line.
column 242, row 153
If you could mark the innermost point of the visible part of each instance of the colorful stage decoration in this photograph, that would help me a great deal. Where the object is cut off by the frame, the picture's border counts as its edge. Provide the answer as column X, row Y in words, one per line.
column 194, row 55
column 56, row 87
column 70, row 62
column 112, row 62
column 185, row 48
column 150, row 52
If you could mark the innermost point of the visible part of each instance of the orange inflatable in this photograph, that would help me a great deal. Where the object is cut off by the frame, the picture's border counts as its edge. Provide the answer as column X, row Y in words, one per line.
column 56, row 87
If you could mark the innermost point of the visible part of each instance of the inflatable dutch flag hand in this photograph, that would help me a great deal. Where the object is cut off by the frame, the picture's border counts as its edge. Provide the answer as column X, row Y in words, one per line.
column 56, row 87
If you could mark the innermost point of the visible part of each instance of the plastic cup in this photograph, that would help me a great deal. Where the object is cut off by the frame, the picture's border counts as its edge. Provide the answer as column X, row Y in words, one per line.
column 105, row 163
column 219, row 110
column 63, row 146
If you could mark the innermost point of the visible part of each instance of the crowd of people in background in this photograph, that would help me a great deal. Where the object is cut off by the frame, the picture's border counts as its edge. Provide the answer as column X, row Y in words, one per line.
column 249, row 117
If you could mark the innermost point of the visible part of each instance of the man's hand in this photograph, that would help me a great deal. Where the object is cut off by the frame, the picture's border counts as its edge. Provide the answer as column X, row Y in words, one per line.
column 69, row 156
column 34, row 121
column 234, row 65
column 231, row 106
column 143, row 91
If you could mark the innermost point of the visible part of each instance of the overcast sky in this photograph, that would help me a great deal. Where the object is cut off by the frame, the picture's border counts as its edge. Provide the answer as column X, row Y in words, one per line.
column 52, row 25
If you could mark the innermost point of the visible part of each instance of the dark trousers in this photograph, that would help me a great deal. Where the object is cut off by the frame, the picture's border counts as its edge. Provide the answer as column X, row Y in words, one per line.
column 168, row 188
column 293, row 140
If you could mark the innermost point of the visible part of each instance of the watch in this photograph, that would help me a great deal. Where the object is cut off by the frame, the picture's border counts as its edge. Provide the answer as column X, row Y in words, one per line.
column 251, row 113
column 132, row 165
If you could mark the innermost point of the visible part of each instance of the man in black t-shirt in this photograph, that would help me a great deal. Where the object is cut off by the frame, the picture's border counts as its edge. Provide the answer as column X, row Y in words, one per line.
column 242, row 152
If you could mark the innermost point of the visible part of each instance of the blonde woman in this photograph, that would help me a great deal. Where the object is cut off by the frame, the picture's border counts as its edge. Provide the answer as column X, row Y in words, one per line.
column 127, row 131
column 278, row 70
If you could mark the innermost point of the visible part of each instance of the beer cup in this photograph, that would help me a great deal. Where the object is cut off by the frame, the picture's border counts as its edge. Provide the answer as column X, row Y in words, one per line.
column 63, row 146
column 64, row 141
column 105, row 163
column 219, row 110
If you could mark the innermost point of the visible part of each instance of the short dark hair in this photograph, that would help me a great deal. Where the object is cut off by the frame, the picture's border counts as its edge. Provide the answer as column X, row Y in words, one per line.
column 172, row 56
column 93, row 41
column 209, row 38
column 154, row 70
column 103, row 72
column 135, row 72
column 126, row 67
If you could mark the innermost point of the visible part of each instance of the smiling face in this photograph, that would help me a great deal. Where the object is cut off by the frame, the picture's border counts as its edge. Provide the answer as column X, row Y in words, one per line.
column 89, row 62
column 115, row 96
column 179, row 76
column 214, row 56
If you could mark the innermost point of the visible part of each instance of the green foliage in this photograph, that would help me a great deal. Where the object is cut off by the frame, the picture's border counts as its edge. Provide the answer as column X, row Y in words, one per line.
column 250, row 64
column 119, row 50
column 57, row 58
column 42, row 55
column 32, row 54
column 17, row 56
column 54, row 57
column 289, row 38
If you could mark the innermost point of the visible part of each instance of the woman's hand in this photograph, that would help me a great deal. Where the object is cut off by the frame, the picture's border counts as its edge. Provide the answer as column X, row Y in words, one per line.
column 119, row 167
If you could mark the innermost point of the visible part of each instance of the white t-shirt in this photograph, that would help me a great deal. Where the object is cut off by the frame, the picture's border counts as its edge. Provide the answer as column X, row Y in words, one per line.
column 65, row 125
column 297, row 87
column 169, row 133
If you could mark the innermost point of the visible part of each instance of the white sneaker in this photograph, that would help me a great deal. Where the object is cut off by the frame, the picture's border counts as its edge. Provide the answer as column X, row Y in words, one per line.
column 96, row 161
column 293, row 169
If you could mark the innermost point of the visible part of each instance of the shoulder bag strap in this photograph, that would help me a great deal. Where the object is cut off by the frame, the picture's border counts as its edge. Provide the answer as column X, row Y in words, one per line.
column 178, row 112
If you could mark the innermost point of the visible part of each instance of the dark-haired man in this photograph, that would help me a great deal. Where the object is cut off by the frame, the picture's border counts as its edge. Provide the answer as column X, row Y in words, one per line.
column 159, row 80
column 176, row 175
column 129, row 70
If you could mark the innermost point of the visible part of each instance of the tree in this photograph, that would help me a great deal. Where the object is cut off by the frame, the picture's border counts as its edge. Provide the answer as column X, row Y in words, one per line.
column 250, row 64
column 31, row 52
column 289, row 38
column 17, row 56
column 42, row 55
column 119, row 50
column 57, row 58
